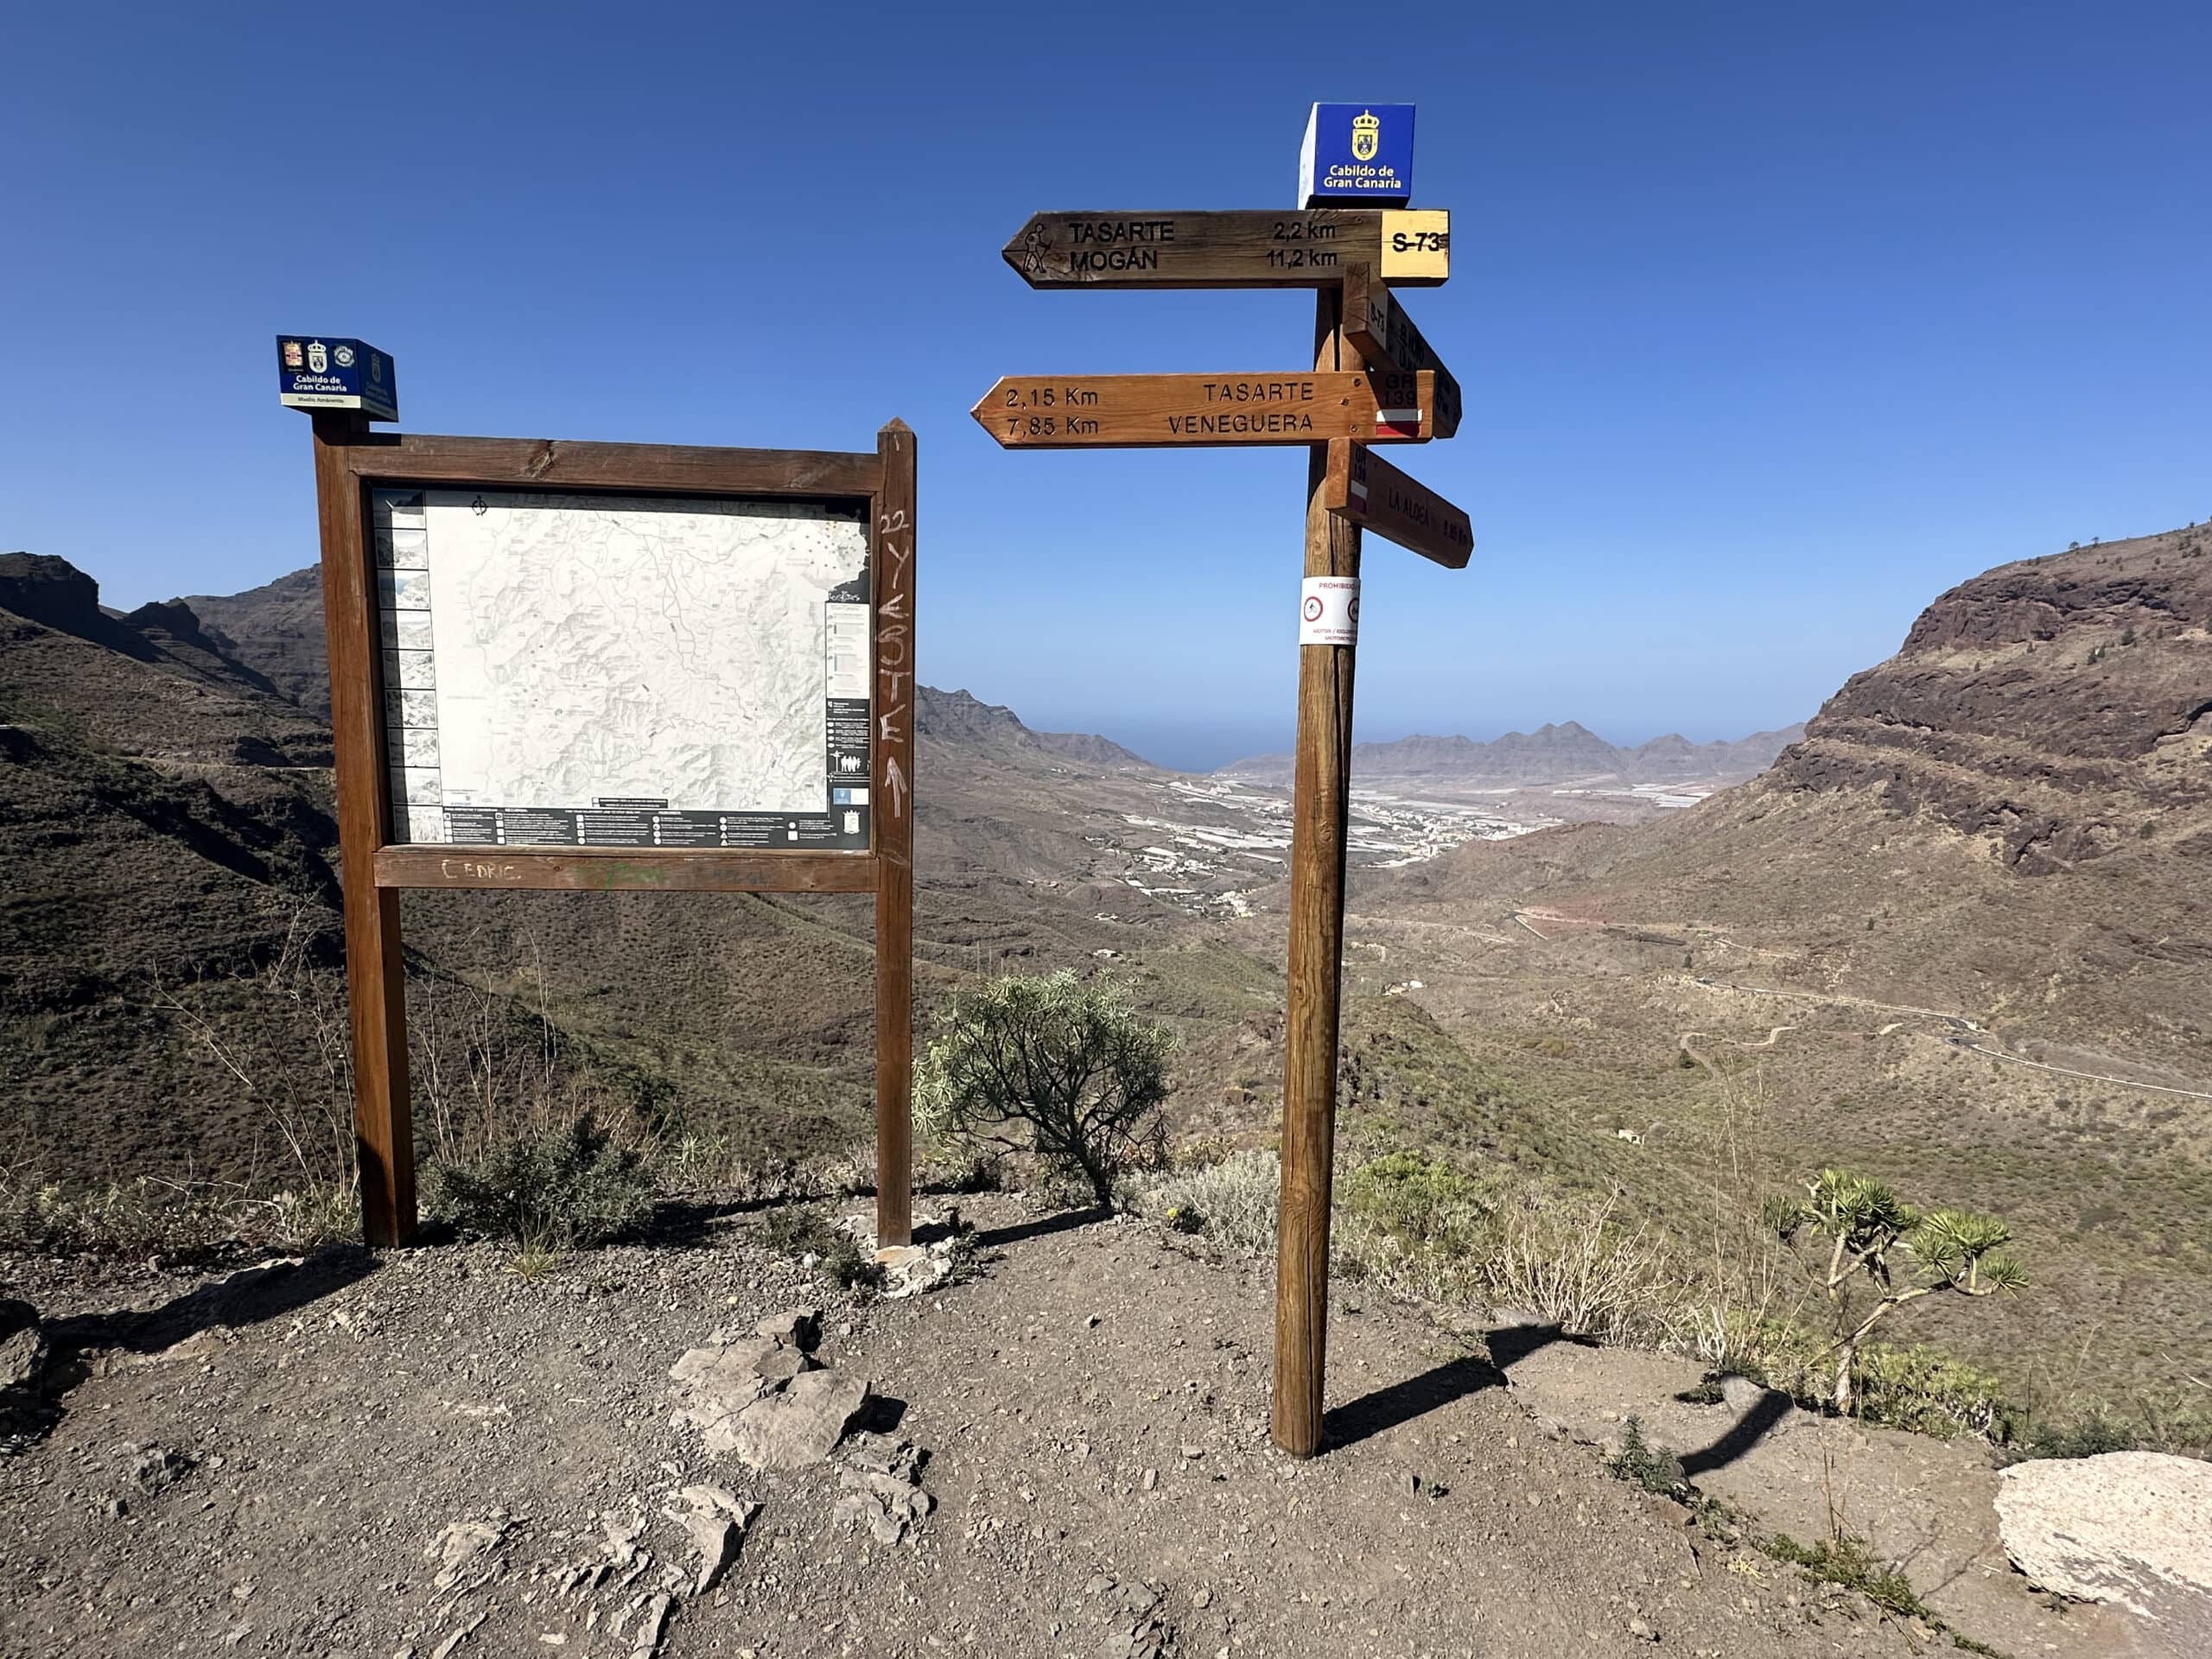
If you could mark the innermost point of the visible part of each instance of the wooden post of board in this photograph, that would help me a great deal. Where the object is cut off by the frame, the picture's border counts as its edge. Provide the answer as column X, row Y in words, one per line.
column 892, row 793
column 384, row 1123
column 1323, row 776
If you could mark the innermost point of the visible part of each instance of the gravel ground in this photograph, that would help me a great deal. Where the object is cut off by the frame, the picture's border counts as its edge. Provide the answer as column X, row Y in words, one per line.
column 426, row 1454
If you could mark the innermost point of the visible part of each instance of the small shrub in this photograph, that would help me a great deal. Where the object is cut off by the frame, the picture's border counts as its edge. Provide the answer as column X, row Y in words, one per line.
column 1918, row 1388
column 2175, row 1423
column 800, row 1229
column 964, row 1167
column 1930, row 1392
column 566, row 1186
column 1644, row 1463
column 848, row 1265
column 1849, row 1560
column 1057, row 1067
column 1422, row 1203
column 1569, row 1261
column 806, row 1230
column 1231, row 1203
column 1859, row 1227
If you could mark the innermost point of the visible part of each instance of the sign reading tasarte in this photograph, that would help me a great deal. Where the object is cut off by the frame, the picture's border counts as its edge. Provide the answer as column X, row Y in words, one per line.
column 321, row 372
column 1356, row 153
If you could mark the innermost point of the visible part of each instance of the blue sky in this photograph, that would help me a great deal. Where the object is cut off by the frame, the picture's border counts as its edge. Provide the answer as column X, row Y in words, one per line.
column 1774, row 321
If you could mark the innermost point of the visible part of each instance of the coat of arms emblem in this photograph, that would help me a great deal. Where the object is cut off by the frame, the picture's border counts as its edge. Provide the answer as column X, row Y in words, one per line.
column 1366, row 135
column 318, row 357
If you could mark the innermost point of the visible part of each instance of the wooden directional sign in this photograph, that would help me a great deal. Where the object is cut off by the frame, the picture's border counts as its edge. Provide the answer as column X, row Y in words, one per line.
column 1141, row 412
column 1381, row 333
column 1370, row 492
column 1305, row 249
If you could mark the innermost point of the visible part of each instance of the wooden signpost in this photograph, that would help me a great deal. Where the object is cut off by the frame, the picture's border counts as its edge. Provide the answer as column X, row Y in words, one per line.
column 1371, row 492
column 1137, row 411
column 359, row 472
column 1305, row 248
column 1365, row 349
column 1380, row 332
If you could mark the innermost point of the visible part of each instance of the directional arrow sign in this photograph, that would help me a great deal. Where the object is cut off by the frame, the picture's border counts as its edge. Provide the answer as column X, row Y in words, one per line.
column 1138, row 411
column 1308, row 249
column 1381, row 333
column 1372, row 493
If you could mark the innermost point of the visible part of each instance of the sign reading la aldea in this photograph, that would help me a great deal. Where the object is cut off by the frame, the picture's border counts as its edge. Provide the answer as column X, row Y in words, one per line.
column 1372, row 493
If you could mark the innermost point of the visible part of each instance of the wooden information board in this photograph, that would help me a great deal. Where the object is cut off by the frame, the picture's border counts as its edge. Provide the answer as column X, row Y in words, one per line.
column 371, row 486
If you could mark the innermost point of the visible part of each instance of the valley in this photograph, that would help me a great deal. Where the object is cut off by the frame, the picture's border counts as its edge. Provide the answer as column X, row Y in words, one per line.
column 1951, row 935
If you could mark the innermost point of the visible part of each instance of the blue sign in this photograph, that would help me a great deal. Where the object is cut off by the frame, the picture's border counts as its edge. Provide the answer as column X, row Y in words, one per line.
column 321, row 371
column 1356, row 156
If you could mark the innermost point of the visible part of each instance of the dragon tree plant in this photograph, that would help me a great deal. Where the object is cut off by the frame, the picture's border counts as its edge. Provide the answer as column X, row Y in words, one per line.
column 1906, row 1254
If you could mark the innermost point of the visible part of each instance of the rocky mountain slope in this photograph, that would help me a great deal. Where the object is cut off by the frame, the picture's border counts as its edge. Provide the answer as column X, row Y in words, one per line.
column 2059, row 706
column 279, row 627
column 1551, row 755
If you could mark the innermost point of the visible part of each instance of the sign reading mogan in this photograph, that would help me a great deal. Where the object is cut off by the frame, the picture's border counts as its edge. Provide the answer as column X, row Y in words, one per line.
column 1357, row 155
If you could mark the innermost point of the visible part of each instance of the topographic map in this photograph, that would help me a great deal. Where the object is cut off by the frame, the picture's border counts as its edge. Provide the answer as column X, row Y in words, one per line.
column 565, row 655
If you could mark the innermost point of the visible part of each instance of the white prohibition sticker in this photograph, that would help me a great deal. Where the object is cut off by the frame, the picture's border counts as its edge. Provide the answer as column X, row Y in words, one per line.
column 1328, row 611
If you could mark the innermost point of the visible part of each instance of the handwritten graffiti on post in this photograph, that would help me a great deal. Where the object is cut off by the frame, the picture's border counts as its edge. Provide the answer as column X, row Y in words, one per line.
column 895, row 669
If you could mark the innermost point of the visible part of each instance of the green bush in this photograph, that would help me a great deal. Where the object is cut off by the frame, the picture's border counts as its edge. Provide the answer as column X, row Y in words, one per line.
column 1421, row 1203
column 2173, row 1423
column 799, row 1229
column 1930, row 1392
column 806, row 1230
column 1849, row 1560
column 1646, row 1463
column 566, row 1186
column 1060, row 1067
column 1918, row 1388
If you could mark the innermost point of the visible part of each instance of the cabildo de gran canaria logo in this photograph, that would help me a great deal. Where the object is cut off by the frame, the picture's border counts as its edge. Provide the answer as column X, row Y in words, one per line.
column 1366, row 135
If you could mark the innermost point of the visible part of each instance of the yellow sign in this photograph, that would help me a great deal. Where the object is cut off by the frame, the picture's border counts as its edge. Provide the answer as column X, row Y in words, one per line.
column 1416, row 246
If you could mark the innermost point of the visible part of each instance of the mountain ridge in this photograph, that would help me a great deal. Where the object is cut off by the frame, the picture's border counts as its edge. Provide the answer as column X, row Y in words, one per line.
column 1557, row 752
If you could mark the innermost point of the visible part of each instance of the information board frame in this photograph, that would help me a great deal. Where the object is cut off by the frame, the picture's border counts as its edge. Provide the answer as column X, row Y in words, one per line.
column 352, row 461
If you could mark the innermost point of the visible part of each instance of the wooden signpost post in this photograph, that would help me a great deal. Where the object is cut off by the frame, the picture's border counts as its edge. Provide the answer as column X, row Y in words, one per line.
column 1374, row 380
column 863, row 836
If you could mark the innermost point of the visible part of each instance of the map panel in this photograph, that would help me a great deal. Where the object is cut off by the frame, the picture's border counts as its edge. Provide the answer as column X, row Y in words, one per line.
column 601, row 671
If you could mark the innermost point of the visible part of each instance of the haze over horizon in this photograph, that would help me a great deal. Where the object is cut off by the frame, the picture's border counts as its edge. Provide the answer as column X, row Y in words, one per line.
column 1772, row 325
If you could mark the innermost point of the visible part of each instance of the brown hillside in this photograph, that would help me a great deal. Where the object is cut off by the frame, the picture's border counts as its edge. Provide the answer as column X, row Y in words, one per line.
column 2061, row 706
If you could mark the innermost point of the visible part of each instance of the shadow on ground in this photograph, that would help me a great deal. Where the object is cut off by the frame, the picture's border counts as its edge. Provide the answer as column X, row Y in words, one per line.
column 1438, row 1387
column 248, row 1297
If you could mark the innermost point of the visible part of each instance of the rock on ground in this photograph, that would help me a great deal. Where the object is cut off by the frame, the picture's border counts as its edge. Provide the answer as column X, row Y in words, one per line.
column 2134, row 1528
